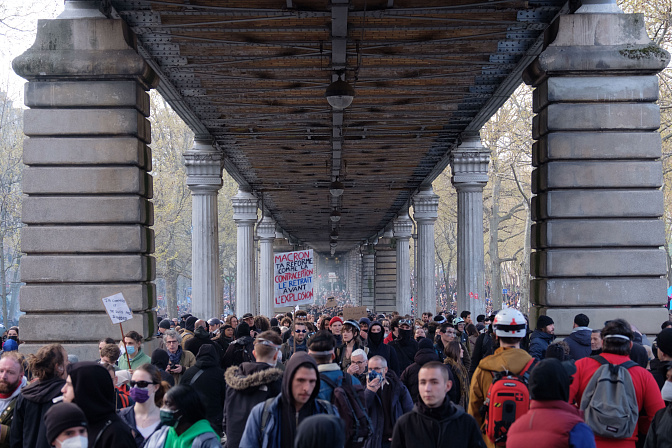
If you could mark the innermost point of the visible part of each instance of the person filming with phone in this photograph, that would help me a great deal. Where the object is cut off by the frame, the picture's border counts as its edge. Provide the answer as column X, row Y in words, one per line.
column 387, row 399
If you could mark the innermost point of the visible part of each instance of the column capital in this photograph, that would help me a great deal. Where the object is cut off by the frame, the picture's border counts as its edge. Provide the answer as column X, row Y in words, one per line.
column 204, row 167
column 403, row 226
column 426, row 206
column 266, row 229
column 469, row 162
column 244, row 208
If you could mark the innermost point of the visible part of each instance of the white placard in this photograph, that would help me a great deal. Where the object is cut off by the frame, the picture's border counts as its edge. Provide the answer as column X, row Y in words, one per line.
column 293, row 278
column 117, row 308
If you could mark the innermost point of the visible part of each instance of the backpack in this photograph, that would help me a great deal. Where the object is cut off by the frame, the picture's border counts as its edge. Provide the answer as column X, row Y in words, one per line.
column 507, row 400
column 609, row 401
column 350, row 401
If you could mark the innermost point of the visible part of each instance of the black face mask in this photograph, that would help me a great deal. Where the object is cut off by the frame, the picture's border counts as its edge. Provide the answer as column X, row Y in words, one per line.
column 405, row 334
column 376, row 338
column 13, row 337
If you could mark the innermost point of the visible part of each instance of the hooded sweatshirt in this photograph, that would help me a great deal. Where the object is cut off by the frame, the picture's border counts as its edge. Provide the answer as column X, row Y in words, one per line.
column 201, row 338
column 378, row 347
column 406, row 348
column 321, row 430
column 210, row 384
column 410, row 375
column 94, row 394
column 28, row 428
column 240, row 350
column 579, row 343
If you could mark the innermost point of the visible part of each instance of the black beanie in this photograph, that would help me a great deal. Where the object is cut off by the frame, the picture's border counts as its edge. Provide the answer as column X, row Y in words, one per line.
column 550, row 379
column 165, row 324
column 190, row 324
column 425, row 343
column 664, row 341
column 543, row 322
column 242, row 330
column 62, row 416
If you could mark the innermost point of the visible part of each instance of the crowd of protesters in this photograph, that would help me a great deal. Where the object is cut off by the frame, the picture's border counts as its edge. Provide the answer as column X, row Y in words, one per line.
column 315, row 380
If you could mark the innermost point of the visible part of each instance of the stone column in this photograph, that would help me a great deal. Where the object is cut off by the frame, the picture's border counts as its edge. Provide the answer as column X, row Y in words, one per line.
column 403, row 229
column 266, row 233
column 204, row 178
column 368, row 276
column 245, row 215
column 386, row 275
column 87, row 210
column 425, row 212
column 469, row 166
column 597, row 232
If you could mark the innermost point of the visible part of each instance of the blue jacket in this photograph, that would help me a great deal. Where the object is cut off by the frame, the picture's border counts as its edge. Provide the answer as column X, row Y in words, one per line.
column 271, row 436
column 539, row 342
column 579, row 343
column 401, row 404
column 335, row 374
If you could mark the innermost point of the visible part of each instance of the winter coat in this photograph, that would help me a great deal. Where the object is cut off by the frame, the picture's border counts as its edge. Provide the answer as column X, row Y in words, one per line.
column 239, row 351
column 658, row 369
column 448, row 425
column 556, row 422
column 579, row 343
column 28, row 430
column 272, row 435
column 187, row 360
column 539, row 342
column 287, row 348
column 649, row 399
column 406, row 348
column 249, row 384
column 210, row 384
column 205, row 440
column 401, row 404
column 660, row 431
column 511, row 359
column 128, row 416
column 410, row 375
column 485, row 346
column 334, row 373
column 201, row 338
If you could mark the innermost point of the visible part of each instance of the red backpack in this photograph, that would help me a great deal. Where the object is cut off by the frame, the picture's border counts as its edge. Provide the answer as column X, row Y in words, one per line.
column 508, row 398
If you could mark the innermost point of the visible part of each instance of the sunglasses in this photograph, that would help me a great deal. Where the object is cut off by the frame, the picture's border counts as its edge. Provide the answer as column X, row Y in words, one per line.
column 300, row 331
column 141, row 384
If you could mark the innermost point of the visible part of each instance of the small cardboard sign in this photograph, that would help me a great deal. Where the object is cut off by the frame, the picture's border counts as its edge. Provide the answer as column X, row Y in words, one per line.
column 354, row 312
column 331, row 303
column 117, row 308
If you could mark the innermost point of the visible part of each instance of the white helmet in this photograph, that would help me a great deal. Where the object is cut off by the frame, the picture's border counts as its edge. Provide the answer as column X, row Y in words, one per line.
column 510, row 323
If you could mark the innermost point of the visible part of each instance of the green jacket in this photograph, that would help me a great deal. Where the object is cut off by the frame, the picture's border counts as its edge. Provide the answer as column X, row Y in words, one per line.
column 140, row 359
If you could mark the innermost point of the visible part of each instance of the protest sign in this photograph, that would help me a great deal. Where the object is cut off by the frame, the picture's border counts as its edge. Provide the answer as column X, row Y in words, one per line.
column 117, row 308
column 331, row 303
column 354, row 312
column 293, row 278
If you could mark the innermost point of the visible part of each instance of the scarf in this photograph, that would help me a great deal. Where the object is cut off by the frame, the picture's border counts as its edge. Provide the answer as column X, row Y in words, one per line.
column 177, row 356
column 462, row 377
column 187, row 438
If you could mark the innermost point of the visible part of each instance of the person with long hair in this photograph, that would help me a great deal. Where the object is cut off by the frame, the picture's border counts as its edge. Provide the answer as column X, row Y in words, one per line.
column 48, row 367
column 459, row 393
column 184, row 423
column 147, row 390
column 232, row 320
column 351, row 342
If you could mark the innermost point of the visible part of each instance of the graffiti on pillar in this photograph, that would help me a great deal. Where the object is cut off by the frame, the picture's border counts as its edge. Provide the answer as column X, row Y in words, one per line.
column 293, row 278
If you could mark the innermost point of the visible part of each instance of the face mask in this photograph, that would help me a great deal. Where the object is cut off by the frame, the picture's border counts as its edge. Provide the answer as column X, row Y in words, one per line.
column 130, row 349
column 139, row 395
column 667, row 391
column 75, row 442
column 376, row 338
column 168, row 417
column 13, row 338
column 405, row 334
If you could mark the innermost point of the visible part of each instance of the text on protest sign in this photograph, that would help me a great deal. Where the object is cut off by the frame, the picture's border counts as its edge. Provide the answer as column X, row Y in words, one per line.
column 293, row 278
column 117, row 308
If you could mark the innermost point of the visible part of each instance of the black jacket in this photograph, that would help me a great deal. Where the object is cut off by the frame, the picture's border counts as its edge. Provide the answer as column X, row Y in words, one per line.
column 378, row 347
column 201, row 338
column 246, row 386
column 485, row 346
column 660, row 431
column 579, row 343
column 210, row 384
column 410, row 376
column 240, row 350
column 28, row 425
column 539, row 342
column 406, row 348
column 424, row 427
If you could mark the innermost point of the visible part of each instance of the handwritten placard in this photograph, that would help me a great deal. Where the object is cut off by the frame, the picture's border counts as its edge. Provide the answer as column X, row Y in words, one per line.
column 354, row 312
column 293, row 278
column 331, row 303
column 117, row 308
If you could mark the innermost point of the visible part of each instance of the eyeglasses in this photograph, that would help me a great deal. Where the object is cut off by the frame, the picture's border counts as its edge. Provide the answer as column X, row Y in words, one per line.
column 141, row 384
column 358, row 362
column 170, row 342
column 301, row 331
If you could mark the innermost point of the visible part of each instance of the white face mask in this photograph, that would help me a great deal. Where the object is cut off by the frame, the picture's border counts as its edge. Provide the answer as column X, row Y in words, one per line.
column 279, row 358
column 667, row 391
column 75, row 442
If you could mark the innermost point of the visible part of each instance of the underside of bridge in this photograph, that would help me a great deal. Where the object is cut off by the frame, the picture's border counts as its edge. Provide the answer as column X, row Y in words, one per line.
column 252, row 76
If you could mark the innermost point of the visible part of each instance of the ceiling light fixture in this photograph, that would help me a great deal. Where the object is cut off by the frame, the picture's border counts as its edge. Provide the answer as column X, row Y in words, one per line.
column 336, row 188
column 335, row 216
column 340, row 94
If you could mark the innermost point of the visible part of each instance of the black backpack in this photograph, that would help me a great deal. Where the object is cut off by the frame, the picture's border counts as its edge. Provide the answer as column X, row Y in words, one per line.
column 350, row 401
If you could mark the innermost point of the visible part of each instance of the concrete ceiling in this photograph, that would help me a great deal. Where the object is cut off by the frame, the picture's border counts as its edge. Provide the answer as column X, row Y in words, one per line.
column 250, row 75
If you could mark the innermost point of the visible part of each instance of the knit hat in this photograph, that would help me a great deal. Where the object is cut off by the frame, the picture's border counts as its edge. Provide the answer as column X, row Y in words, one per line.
column 165, row 324
column 62, row 416
column 550, row 379
column 425, row 343
column 365, row 320
column 190, row 323
column 543, row 322
column 665, row 341
column 10, row 345
column 335, row 319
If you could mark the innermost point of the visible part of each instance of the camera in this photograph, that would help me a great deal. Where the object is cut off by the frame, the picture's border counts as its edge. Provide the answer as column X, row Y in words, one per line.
column 373, row 375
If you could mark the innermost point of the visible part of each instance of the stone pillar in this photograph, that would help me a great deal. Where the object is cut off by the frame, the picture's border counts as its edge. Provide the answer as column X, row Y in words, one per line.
column 266, row 233
column 403, row 229
column 469, row 166
column 87, row 209
column 204, row 178
column 597, row 232
column 245, row 215
column 368, row 276
column 386, row 275
column 425, row 212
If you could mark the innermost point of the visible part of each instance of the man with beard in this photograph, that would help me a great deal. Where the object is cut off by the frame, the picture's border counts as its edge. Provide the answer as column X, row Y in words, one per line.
column 201, row 338
column 297, row 342
column 378, row 347
column 405, row 346
column 11, row 383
